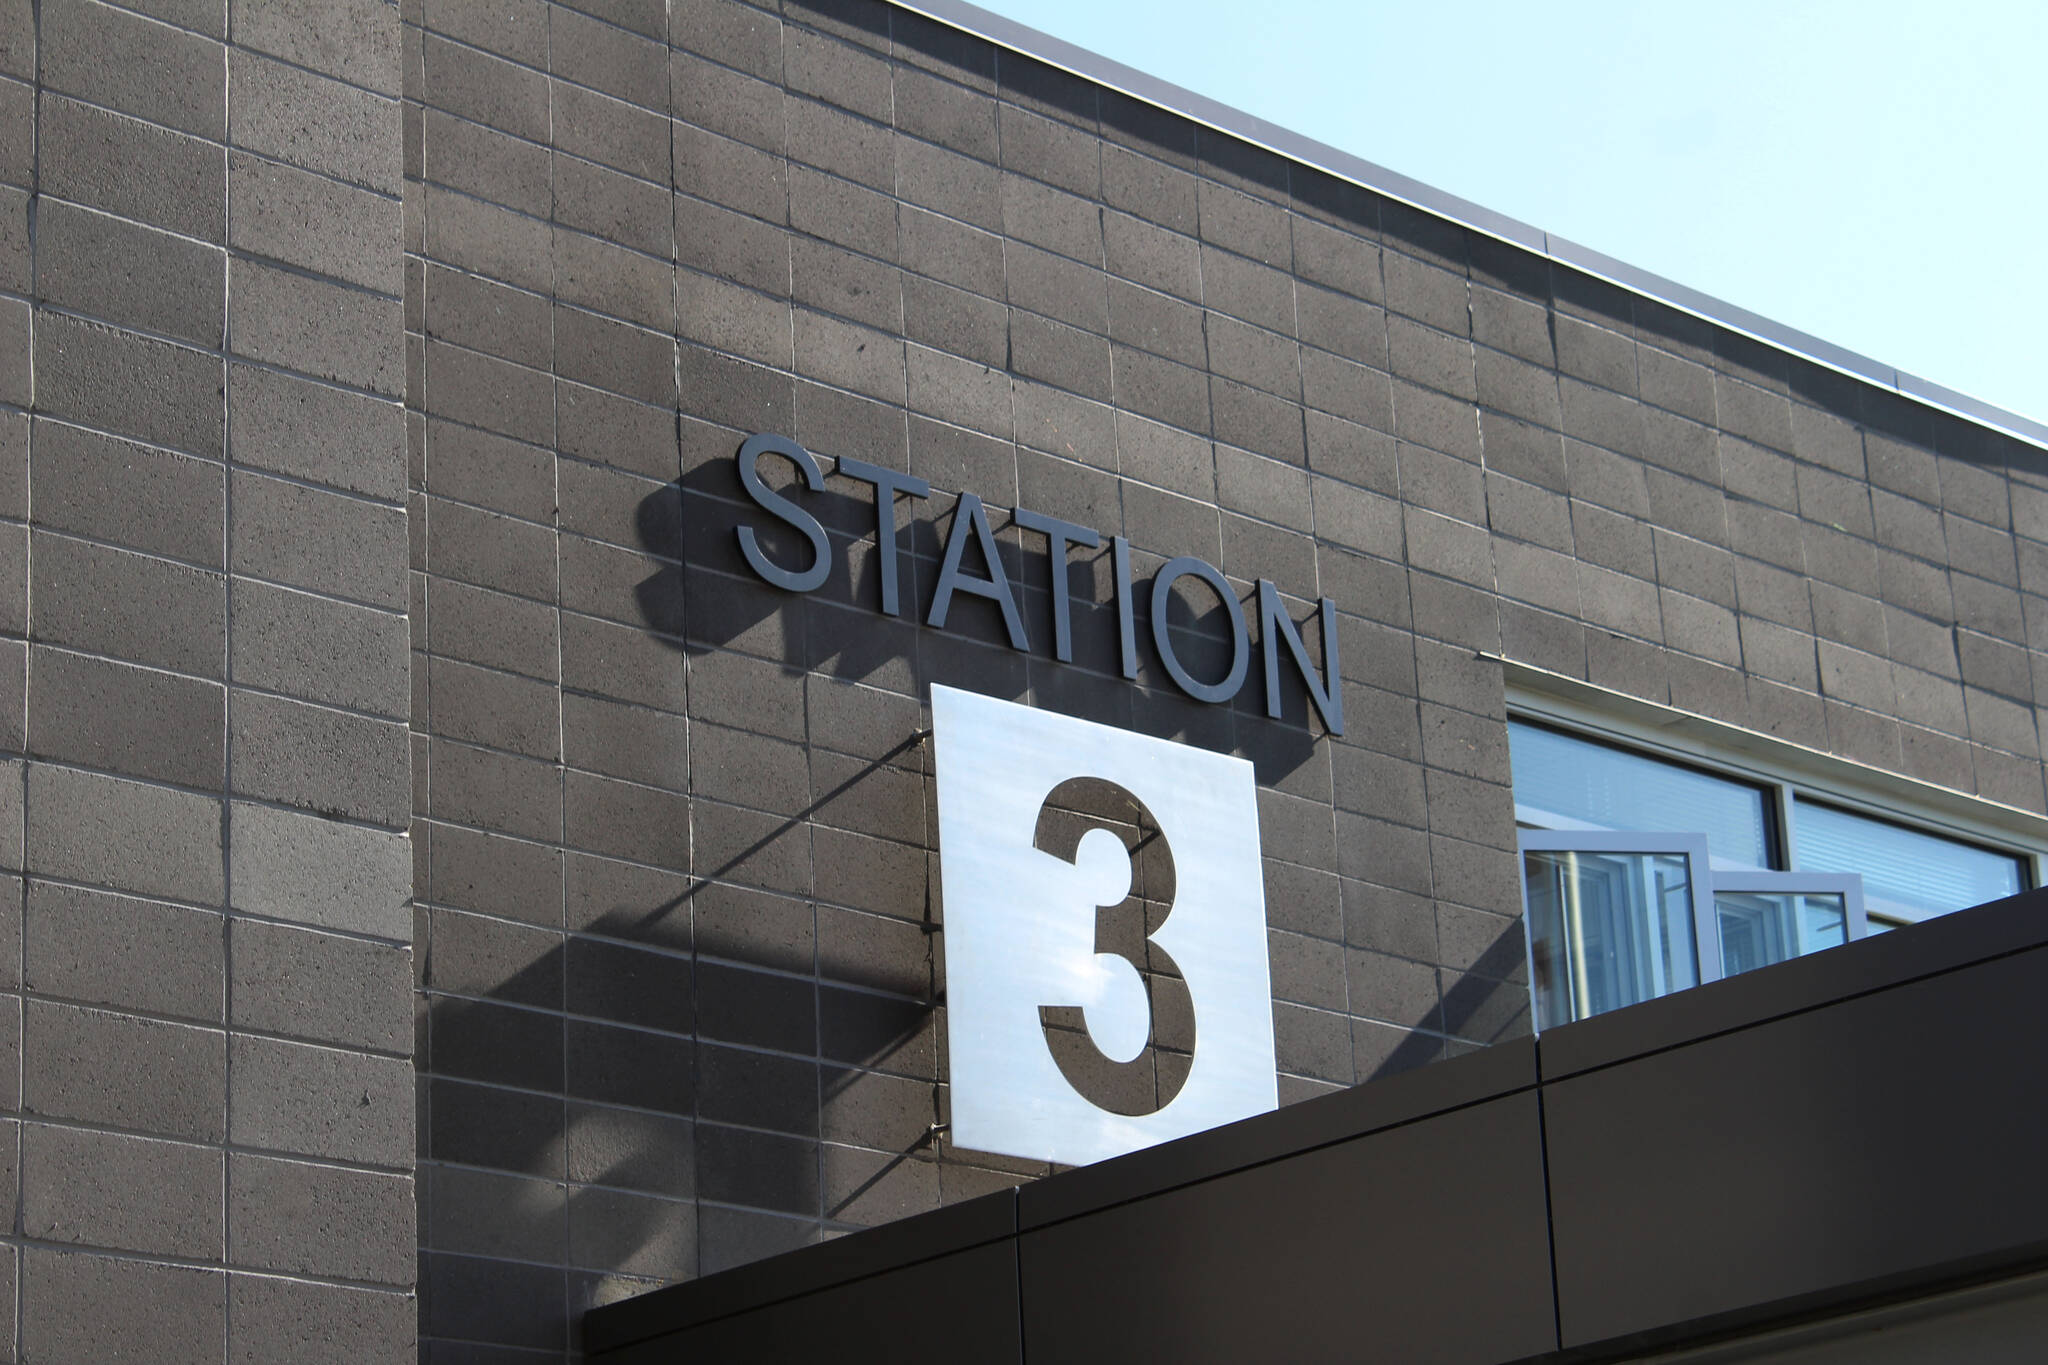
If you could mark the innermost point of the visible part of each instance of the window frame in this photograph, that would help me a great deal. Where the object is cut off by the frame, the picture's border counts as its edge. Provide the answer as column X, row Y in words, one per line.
column 1789, row 772
column 1699, row 871
column 1847, row 885
column 1705, row 884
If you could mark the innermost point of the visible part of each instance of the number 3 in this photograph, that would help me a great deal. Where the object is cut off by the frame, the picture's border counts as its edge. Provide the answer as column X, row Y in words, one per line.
column 1148, row 1082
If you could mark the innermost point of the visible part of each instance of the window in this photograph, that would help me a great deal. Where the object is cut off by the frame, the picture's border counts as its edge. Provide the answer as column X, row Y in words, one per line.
column 1613, row 919
column 1564, row 782
column 1646, row 873
column 1776, row 916
column 1907, row 875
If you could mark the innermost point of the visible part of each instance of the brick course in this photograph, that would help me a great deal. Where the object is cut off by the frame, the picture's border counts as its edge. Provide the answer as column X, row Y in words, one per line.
column 372, row 629
column 199, row 388
column 675, row 825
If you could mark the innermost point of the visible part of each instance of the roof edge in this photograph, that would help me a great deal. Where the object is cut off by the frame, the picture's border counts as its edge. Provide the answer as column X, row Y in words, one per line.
column 1294, row 146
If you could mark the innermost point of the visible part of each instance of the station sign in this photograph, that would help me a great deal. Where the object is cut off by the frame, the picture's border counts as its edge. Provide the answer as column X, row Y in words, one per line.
column 1025, row 934
column 957, row 578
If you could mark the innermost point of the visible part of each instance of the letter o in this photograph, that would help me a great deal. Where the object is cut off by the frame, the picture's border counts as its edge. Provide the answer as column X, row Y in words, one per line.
column 1187, row 566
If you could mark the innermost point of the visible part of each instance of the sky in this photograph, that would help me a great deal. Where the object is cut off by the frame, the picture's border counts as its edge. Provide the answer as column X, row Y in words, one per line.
column 1873, row 173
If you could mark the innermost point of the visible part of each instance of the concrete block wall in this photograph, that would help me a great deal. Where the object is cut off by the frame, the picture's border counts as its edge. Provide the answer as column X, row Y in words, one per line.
column 208, row 1142
column 677, row 927
column 295, row 294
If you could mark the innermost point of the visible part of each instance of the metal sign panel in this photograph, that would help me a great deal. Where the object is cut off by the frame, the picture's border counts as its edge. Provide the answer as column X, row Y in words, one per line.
column 1022, row 933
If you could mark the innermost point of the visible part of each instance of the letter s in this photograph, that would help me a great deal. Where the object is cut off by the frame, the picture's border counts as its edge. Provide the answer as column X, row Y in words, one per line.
column 782, row 508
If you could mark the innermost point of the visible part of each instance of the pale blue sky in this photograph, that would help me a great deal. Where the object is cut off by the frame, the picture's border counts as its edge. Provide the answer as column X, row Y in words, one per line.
column 1873, row 173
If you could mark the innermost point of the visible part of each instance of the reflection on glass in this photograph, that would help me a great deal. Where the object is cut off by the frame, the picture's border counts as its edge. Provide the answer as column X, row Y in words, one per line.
column 1907, row 874
column 1607, row 930
column 1565, row 782
column 1762, row 927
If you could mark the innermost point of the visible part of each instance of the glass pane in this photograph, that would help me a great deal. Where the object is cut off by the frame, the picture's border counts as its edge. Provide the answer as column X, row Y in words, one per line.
column 1907, row 874
column 1562, row 782
column 1762, row 927
column 1607, row 930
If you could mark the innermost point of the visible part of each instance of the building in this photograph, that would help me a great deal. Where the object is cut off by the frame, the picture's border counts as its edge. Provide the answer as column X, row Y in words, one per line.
column 457, row 887
column 1819, row 1163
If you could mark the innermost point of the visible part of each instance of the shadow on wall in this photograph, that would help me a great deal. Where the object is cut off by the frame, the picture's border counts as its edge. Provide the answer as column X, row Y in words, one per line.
column 680, row 1077
column 675, row 1077
column 707, row 1069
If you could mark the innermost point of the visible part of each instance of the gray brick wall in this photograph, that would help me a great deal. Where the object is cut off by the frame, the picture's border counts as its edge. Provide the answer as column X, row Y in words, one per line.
column 209, row 1131
column 682, row 1004
column 295, row 293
